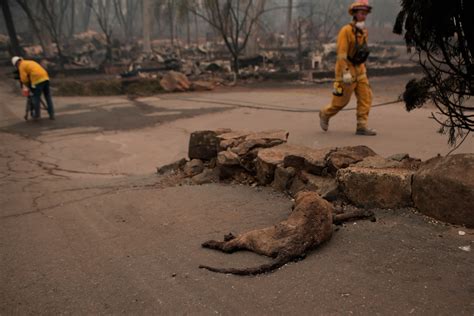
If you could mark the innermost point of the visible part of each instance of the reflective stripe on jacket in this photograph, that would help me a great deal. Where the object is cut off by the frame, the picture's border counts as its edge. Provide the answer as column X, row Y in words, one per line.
column 31, row 73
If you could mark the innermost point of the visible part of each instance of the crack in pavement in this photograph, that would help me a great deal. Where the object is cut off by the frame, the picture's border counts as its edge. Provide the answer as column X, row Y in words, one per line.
column 36, row 208
column 109, row 190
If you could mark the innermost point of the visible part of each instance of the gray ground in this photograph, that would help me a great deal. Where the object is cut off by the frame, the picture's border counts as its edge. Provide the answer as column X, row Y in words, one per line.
column 86, row 227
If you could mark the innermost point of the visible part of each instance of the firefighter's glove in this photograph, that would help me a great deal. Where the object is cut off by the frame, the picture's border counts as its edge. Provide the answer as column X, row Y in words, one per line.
column 25, row 91
column 338, row 90
column 347, row 77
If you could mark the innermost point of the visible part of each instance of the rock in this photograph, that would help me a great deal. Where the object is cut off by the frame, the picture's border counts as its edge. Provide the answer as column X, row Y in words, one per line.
column 345, row 156
column 411, row 163
column 326, row 187
column 399, row 157
column 443, row 188
column 175, row 81
column 241, row 142
column 372, row 187
column 203, row 145
column 264, row 139
column 308, row 159
column 200, row 85
column 207, row 176
column 231, row 139
column 236, row 173
column 228, row 158
column 193, row 167
column 269, row 158
column 379, row 162
column 283, row 178
column 171, row 167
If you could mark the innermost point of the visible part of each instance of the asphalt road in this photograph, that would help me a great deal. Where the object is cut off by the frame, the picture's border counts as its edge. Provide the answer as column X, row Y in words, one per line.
column 86, row 227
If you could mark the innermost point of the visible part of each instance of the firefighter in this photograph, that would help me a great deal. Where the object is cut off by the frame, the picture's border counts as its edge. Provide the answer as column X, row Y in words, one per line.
column 35, row 78
column 352, row 52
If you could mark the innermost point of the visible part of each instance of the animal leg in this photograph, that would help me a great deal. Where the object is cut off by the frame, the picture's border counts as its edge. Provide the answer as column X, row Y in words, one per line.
column 354, row 215
column 224, row 246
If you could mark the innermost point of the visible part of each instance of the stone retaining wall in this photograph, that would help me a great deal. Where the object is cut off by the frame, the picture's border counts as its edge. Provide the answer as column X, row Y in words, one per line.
column 442, row 187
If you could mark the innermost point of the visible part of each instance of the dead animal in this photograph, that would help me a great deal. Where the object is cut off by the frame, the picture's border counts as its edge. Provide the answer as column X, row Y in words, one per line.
column 308, row 226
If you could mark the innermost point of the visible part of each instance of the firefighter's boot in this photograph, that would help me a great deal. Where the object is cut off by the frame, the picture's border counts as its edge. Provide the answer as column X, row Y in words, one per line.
column 365, row 131
column 323, row 122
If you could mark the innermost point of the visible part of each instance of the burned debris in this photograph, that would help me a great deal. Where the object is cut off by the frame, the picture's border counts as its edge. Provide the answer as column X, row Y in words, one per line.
column 108, row 45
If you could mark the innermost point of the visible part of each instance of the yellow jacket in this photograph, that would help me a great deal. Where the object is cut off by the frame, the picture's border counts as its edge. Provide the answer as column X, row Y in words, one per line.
column 31, row 73
column 346, row 47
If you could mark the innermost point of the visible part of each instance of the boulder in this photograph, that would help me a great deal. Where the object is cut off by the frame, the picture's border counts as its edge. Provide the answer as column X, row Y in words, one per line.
column 228, row 158
column 200, row 85
column 326, row 187
column 242, row 142
column 171, row 167
column 269, row 158
column 399, row 156
column 283, row 178
column 264, row 139
column 206, row 176
column 193, row 167
column 308, row 159
column 443, row 188
column 345, row 156
column 231, row 139
column 175, row 81
column 407, row 161
column 376, row 187
column 379, row 162
column 203, row 145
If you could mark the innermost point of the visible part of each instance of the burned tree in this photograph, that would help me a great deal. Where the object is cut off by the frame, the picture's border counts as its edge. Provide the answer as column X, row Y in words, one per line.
column 106, row 21
column 15, row 46
column 35, row 14
column 443, row 38
column 52, row 16
column 325, row 18
column 147, row 26
column 126, row 15
column 234, row 21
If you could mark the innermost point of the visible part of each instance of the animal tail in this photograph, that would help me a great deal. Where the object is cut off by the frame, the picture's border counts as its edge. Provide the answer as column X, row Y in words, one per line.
column 264, row 268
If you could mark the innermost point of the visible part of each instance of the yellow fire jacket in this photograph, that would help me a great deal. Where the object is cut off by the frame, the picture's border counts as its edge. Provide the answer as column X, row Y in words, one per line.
column 346, row 47
column 32, row 73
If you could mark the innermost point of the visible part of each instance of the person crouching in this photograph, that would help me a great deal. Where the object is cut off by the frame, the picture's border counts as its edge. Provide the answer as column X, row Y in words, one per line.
column 36, row 78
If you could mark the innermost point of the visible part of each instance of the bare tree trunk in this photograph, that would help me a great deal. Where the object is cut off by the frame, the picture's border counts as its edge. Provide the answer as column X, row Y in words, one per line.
column 43, row 37
column 299, row 36
column 252, row 47
column 289, row 16
column 87, row 15
column 48, row 45
column 15, row 45
column 171, row 18
column 146, row 26
column 73, row 11
column 130, row 19
column 196, row 31
column 188, row 29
